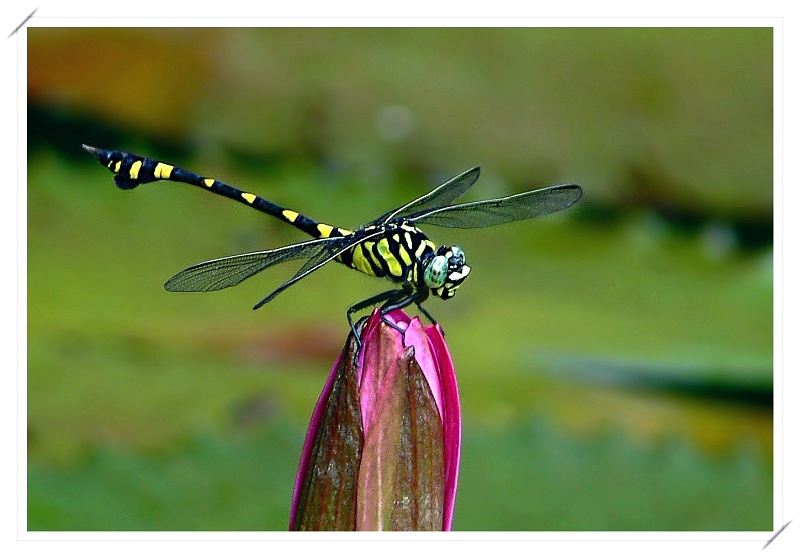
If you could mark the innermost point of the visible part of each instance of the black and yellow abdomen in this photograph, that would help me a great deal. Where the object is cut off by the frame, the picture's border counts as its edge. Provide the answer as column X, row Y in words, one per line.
column 132, row 170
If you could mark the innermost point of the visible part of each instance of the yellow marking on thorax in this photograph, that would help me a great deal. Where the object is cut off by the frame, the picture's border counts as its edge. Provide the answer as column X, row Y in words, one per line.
column 163, row 171
column 388, row 257
column 360, row 261
column 209, row 182
column 135, row 169
column 401, row 249
column 324, row 230
column 249, row 197
column 409, row 243
column 290, row 215
column 116, row 167
column 422, row 245
column 406, row 257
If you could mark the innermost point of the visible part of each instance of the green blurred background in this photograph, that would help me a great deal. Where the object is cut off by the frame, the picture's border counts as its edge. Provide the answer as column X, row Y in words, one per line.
column 614, row 360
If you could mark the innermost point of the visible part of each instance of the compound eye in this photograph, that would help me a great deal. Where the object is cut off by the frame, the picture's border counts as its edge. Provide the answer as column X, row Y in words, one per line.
column 436, row 272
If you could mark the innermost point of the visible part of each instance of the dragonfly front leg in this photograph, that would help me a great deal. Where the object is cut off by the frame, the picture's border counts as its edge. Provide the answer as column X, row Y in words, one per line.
column 417, row 298
column 387, row 296
column 428, row 315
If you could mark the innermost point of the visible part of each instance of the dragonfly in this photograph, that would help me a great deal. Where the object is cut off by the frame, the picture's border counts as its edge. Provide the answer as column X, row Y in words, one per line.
column 391, row 246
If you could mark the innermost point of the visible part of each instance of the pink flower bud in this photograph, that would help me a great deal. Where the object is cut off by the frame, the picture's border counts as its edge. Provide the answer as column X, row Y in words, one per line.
column 382, row 450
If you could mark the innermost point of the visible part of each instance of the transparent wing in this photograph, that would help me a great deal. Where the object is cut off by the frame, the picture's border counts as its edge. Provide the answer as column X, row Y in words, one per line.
column 317, row 260
column 438, row 197
column 222, row 273
column 487, row 213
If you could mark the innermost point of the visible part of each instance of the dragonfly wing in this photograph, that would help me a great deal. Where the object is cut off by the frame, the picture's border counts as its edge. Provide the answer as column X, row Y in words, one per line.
column 487, row 213
column 438, row 197
column 317, row 260
column 226, row 272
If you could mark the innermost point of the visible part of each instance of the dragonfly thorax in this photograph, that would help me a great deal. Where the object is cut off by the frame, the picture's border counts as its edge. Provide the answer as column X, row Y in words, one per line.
column 445, row 271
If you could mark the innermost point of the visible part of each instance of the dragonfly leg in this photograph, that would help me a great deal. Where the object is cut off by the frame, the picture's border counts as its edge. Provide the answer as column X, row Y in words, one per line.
column 384, row 296
column 428, row 315
column 417, row 298
column 411, row 296
column 405, row 297
column 392, row 300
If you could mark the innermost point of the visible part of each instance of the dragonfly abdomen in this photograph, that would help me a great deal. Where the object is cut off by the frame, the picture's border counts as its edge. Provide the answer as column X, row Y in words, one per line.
column 132, row 170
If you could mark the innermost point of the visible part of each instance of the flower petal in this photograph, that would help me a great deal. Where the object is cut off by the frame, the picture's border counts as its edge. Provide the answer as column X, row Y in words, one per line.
column 381, row 346
column 417, row 336
column 401, row 478
column 451, row 421
column 324, row 491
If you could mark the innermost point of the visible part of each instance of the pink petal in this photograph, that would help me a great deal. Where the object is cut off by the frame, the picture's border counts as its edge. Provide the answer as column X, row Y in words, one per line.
column 382, row 345
column 305, row 456
column 451, row 421
column 401, row 482
column 423, row 352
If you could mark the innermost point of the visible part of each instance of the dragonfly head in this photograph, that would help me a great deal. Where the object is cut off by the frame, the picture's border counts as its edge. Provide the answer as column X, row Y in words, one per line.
column 445, row 271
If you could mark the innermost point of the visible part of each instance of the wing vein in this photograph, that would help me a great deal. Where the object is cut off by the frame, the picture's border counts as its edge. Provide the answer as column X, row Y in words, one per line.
column 438, row 197
column 487, row 213
column 222, row 273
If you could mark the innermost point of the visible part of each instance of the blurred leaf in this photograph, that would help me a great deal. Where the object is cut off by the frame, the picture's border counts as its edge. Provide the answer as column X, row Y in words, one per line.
column 744, row 385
